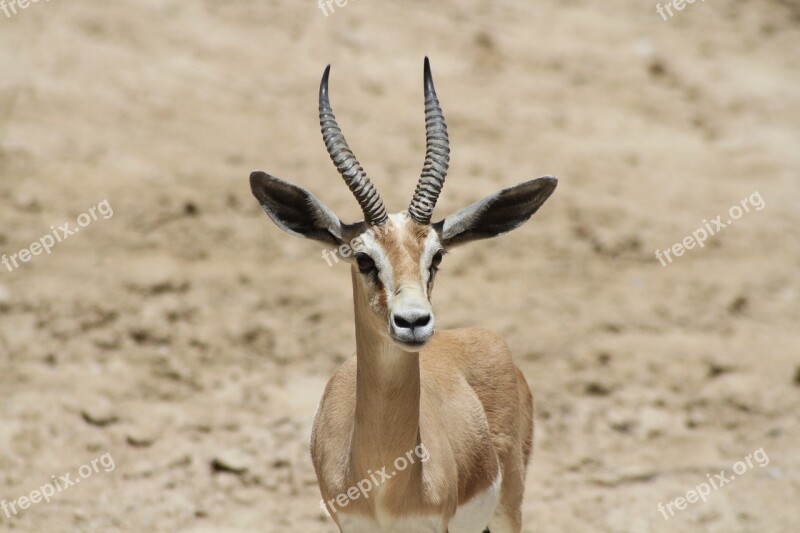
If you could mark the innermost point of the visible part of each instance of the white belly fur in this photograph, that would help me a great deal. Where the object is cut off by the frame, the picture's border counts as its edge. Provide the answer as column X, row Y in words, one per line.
column 475, row 515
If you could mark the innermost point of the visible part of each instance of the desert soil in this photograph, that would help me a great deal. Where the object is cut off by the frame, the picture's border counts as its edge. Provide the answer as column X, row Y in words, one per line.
column 189, row 339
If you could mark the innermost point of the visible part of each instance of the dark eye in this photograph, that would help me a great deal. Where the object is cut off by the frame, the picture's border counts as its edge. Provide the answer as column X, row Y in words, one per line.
column 365, row 264
column 436, row 261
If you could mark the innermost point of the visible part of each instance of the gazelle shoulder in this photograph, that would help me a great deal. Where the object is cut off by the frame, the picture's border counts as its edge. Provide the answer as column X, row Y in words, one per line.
column 481, row 357
column 337, row 403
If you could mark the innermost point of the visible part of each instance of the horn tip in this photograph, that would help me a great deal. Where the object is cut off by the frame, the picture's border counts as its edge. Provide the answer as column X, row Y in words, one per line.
column 323, row 86
column 428, row 78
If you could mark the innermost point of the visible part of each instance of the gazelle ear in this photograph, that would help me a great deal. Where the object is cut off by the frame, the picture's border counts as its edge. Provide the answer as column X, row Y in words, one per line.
column 496, row 214
column 295, row 210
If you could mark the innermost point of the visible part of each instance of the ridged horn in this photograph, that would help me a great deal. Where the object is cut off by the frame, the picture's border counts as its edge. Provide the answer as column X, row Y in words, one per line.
column 346, row 163
column 437, row 156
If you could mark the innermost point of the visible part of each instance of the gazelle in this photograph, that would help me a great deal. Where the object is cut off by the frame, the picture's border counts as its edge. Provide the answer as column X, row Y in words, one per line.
column 457, row 394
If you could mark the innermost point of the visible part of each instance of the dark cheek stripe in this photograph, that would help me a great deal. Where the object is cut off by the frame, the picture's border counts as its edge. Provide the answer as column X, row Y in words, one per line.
column 380, row 297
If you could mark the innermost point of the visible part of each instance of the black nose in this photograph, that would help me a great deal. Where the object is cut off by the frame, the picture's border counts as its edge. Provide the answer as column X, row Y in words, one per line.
column 411, row 321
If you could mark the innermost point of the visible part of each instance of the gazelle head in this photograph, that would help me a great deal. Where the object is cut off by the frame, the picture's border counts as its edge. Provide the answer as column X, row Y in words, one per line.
column 395, row 257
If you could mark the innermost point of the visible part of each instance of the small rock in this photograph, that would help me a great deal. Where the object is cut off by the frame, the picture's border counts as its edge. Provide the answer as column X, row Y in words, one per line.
column 139, row 437
column 100, row 415
column 154, row 275
column 775, row 432
column 621, row 420
column 232, row 462
column 143, row 469
column 27, row 203
column 597, row 389
column 738, row 305
column 654, row 422
column 181, row 462
column 717, row 369
column 695, row 419
column 281, row 463
column 657, row 68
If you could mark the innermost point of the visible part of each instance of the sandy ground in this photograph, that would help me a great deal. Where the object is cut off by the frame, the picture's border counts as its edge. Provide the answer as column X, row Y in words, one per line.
column 187, row 340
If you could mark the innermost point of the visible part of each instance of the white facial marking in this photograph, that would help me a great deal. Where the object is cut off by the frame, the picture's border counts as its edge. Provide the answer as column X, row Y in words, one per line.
column 429, row 249
column 410, row 319
column 370, row 246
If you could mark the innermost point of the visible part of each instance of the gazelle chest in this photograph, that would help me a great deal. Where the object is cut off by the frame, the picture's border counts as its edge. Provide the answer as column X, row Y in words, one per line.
column 472, row 516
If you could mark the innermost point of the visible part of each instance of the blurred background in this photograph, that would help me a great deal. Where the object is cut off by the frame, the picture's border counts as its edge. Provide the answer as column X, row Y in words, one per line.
column 190, row 340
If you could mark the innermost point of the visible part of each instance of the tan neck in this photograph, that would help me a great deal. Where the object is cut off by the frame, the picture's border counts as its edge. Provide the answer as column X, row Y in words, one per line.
column 387, row 393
